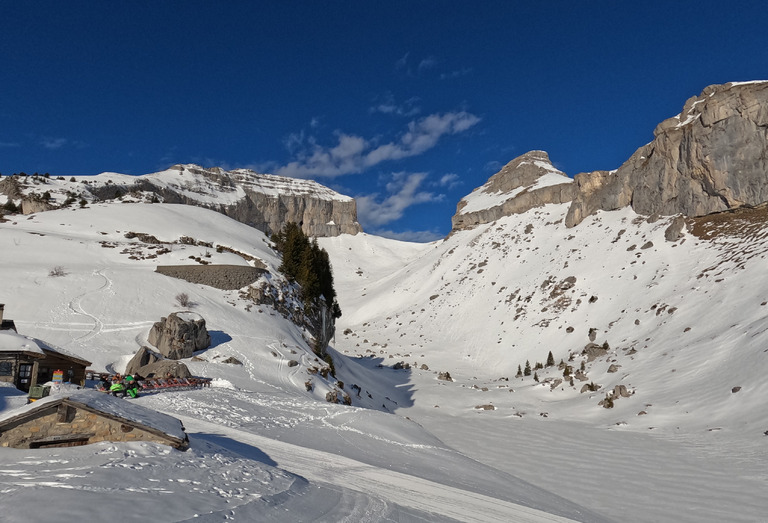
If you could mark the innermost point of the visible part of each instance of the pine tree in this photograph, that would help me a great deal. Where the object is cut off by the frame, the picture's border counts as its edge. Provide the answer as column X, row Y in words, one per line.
column 550, row 360
column 536, row 377
column 527, row 371
column 519, row 372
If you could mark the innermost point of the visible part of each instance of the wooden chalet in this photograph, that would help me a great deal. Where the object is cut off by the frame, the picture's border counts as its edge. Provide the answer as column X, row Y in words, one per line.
column 26, row 361
column 87, row 416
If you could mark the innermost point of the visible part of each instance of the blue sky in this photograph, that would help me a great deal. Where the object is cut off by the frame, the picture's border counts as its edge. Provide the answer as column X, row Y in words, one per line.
column 405, row 105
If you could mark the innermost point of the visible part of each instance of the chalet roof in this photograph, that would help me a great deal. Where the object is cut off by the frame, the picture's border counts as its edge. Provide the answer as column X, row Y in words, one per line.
column 12, row 342
column 103, row 404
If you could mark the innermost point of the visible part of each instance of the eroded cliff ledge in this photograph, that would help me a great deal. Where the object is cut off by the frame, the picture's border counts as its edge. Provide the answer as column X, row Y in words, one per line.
column 711, row 157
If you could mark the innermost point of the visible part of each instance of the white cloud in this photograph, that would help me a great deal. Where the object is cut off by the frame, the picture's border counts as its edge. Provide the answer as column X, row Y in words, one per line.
column 403, row 191
column 402, row 62
column 427, row 63
column 389, row 106
column 10, row 144
column 450, row 180
column 354, row 154
column 54, row 143
column 455, row 74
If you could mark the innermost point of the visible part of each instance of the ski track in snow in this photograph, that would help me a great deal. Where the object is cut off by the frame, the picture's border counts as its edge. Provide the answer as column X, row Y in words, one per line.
column 402, row 489
column 76, row 306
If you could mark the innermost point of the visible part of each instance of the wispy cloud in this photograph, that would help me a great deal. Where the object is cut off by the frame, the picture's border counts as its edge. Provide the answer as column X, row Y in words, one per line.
column 355, row 154
column 10, row 144
column 456, row 74
column 389, row 106
column 402, row 63
column 58, row 143
column 54, row 143
column 403, row 191
column 450, row 180
column 427, row 63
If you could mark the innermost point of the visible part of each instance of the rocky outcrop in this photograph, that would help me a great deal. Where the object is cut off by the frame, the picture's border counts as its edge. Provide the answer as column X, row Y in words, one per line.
column 149, row 364
column 526, row 182
column 711, row 157
column 31, row 205
column 144, row 356
column 180, row 335
column 163, row 368
column 316, row 318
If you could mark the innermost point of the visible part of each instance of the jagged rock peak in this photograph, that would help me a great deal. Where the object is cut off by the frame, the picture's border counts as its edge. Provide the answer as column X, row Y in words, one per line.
column 527, row 181
column 711, row 157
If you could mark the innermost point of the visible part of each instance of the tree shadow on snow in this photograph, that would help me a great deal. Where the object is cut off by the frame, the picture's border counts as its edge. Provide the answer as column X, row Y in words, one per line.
column 238, row 447
column 375, row 382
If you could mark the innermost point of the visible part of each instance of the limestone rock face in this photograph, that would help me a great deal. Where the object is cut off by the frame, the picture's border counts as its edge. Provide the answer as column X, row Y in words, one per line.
column 711, row 157
column 265, row 202
column 180, row 335
column 526, row 182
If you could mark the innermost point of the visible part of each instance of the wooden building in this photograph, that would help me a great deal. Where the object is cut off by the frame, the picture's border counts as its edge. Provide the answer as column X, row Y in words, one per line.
column 26, row 361
column 87, row 416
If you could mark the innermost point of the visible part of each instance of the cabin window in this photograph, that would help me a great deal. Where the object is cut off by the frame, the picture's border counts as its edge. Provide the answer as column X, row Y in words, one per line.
column 6, row 368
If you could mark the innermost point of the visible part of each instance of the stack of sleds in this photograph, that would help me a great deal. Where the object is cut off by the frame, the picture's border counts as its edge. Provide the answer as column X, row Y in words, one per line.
column 156, row 385
column 126, row 385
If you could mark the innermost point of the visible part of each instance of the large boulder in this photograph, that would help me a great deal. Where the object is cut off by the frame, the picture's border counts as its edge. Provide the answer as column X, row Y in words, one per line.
column 163, row 368
column 144, row 356
column 711, row 157
column 180, row 335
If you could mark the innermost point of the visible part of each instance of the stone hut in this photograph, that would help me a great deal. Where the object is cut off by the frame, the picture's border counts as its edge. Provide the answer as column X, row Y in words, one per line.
column 87, row 416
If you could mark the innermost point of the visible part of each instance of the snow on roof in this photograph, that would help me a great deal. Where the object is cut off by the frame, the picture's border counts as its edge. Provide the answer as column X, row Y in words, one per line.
column 12, row 342
column 102, row 402
column 58, row 350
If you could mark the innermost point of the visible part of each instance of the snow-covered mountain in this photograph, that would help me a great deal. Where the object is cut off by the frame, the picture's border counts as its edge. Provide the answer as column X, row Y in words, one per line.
column 263, row 201
column 653, row 410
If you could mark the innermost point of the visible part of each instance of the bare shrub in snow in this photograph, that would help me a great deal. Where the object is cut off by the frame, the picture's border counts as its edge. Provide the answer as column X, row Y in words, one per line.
column 57, row 271
column 183, row 299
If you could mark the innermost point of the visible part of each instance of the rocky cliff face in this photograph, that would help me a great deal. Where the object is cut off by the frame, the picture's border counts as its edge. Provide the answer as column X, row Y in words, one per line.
column 526, row 182
column 711, row 157
column 263, row 201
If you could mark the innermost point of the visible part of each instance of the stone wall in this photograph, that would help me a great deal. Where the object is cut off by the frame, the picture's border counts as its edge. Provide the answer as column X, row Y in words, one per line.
column 84, row 423
column 225, row 277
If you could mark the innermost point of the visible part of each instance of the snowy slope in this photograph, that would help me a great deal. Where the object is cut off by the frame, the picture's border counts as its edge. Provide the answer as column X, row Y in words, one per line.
column 262, row 446
column 684, row 322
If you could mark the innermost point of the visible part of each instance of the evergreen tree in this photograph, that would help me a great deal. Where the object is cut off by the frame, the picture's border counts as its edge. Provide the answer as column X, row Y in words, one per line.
column 550, row 360
column 307, row 264
column 536, row 377
column 519, row 372
column 527, row 371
